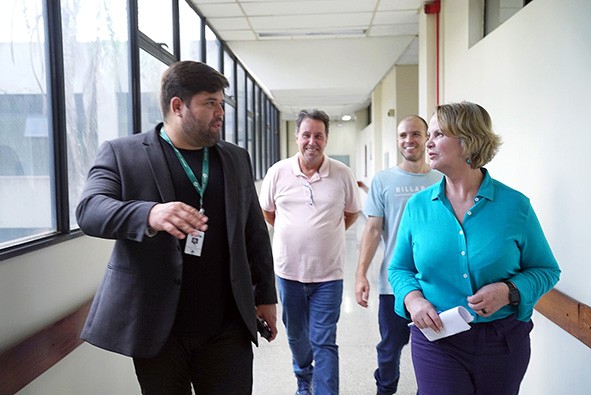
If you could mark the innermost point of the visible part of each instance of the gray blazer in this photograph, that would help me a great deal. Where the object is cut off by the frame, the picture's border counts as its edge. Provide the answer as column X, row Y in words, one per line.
column 134, row 307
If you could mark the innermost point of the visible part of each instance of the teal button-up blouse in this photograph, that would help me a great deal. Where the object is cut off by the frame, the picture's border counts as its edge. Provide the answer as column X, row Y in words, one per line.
column 500, row 239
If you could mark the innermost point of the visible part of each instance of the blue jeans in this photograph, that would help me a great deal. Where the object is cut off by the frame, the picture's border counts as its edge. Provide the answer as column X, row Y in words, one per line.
column 310, row 314
column 394, row 333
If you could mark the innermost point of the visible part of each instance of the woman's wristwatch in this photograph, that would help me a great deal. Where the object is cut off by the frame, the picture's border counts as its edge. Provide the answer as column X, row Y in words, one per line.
column 514, row 297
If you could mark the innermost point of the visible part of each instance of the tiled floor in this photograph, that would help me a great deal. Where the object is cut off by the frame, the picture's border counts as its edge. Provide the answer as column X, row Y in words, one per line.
column 357, row 337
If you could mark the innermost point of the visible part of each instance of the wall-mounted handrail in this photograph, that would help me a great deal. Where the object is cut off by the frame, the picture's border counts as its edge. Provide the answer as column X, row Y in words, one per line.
column 30, row 358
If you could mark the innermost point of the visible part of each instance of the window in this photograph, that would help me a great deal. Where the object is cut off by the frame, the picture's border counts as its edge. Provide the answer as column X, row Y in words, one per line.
column 213, row 49
column 259, row 117
column 229, row 72
column 26, row 191
column 155, row 21
column 230, row 107
column 230, row 123
column 96, row 84
column 496, row 12
column 251, row 115
column 190, row 28
column 241, row 105
column 151, row 70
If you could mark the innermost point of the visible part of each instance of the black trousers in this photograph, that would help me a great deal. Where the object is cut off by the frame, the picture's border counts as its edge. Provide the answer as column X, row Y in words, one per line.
column 222, row 365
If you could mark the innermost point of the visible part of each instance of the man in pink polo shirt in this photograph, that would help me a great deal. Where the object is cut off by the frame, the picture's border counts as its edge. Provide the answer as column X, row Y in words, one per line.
column 310, row 200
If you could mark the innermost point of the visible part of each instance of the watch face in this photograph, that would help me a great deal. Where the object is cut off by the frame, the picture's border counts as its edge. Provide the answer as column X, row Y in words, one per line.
column 514, row 296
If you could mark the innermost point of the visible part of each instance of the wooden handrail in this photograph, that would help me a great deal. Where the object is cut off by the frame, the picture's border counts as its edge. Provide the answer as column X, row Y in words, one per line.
column 30, row 358
column 568, row 313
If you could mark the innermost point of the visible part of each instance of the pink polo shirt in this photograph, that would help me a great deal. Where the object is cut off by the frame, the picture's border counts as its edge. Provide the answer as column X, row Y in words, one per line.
column 309, row 230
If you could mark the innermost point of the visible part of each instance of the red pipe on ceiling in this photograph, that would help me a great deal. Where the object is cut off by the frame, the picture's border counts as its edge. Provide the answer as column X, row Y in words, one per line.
column 434, row 7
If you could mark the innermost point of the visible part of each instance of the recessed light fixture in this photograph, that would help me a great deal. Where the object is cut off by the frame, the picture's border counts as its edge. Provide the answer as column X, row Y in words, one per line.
column 346, row 118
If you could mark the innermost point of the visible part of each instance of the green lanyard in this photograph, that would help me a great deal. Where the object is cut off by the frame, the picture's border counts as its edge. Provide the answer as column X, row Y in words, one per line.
column 199, row 187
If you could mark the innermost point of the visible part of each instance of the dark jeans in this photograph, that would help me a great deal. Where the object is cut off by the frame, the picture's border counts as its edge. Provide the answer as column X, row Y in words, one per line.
column 394, row 333
column 489, row 359
column 222, row 365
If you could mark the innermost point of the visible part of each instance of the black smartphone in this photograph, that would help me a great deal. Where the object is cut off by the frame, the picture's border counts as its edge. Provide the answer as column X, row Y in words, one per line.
column 263, row 328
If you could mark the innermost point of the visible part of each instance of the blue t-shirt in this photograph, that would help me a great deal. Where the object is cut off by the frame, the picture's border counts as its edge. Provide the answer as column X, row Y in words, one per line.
column 390, row 190
column 500, row 239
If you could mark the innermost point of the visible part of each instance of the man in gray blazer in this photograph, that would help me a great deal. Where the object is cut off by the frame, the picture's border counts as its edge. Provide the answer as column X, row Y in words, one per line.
column 191, row 269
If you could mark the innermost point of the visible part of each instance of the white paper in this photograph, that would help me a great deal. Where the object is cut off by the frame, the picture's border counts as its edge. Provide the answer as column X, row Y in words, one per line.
column 454, row 321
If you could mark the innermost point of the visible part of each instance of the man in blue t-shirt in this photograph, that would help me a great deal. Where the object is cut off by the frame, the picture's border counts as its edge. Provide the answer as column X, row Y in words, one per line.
column 390, row 190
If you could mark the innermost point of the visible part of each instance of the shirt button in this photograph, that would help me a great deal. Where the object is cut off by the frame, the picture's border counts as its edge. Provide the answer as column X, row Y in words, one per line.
column 476, row 199
column 463, row 253
column 469, row 213
column 465, row 276
column 461, row 232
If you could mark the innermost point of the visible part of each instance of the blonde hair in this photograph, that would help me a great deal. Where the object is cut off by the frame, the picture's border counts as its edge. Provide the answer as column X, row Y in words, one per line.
column 472, row 124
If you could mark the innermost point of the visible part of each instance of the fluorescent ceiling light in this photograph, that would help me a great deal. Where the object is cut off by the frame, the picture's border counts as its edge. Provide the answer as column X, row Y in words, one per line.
column 344, row 32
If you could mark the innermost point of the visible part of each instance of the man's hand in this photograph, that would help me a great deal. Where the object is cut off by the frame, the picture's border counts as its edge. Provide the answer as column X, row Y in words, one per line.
column 362, row 290
column 268, row 312
column 177, row 218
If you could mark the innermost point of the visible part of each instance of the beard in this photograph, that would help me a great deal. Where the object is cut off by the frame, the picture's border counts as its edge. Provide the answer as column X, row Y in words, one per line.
column 199, row 133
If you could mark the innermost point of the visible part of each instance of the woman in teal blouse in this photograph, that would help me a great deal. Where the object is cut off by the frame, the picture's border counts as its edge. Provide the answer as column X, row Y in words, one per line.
column 470, row 241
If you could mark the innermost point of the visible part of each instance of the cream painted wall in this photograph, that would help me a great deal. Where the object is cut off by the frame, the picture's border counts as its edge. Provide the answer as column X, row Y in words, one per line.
column 397, row 91
column 407, row 94
column 385, row 125
column 532, row 75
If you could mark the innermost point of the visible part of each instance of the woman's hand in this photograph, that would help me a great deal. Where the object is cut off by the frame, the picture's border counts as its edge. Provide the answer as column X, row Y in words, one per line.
column 488, row 299
column 422, row 312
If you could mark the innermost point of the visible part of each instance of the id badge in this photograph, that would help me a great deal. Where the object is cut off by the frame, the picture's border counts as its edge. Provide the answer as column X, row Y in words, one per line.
column 194, row 243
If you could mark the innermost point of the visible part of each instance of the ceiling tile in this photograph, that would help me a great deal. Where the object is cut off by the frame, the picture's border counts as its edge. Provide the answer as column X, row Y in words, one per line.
column 391, row 17
column 221, row 24
column 317, row 22
column 307, row 7
column 396, row 5
column 220, row 10
column 394, row 30
column 238, row 35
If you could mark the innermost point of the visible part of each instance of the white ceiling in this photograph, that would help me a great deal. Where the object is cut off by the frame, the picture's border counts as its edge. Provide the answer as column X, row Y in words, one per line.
column 327, row 54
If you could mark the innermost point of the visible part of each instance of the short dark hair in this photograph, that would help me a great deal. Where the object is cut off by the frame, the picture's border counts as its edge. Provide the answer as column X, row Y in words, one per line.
column 417, row 118
column 187, row 78
column 313, row 114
